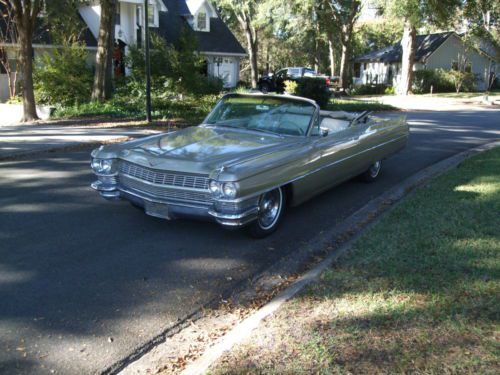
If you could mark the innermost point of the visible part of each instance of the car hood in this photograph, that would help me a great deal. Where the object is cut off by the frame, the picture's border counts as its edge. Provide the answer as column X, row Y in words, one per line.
column 202, row 149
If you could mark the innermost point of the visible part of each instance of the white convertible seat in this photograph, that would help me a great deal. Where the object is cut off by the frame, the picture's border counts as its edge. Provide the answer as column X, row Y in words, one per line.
column 334, row 125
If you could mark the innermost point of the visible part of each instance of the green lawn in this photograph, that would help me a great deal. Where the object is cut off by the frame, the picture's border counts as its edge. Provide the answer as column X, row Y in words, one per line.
column 417, row 294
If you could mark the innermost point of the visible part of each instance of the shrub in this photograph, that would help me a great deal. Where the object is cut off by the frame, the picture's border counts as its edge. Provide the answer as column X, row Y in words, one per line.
column 207, row 85
column 442, row 80
column 369, row 89
column 390, row 90
column 315, row 89
column 173, row 68
column 463, row 81
column 63, row 76
column 424, row 79
column 291, row 87
column 14, row 100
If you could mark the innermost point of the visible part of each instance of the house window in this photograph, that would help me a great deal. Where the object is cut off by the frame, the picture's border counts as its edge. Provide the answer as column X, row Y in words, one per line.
column 357, row 70
column 151, row 15
column 201, row 21
column 117, row 14
column 468, row 68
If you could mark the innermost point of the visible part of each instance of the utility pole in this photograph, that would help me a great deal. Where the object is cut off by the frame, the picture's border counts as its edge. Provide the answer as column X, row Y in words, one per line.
column 148, row 65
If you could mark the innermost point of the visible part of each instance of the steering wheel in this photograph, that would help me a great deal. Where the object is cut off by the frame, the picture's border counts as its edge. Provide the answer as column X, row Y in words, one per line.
column 289, row 124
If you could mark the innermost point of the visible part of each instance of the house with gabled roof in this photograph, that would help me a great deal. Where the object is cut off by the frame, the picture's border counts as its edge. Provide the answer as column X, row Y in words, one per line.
column 216, row 43
column 439, row 50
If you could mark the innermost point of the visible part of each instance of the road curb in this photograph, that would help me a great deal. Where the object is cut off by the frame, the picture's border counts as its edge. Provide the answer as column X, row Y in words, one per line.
column 362, row 220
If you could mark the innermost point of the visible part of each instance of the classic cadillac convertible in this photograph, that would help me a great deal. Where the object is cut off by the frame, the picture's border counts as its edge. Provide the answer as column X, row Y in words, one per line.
column 252, row 156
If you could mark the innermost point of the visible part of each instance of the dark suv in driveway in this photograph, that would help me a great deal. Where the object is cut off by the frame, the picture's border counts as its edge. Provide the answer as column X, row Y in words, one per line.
column 275, row 82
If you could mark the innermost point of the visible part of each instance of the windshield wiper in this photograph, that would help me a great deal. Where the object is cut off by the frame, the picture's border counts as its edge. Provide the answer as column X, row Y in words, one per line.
column 226, row 125
column 265, row 131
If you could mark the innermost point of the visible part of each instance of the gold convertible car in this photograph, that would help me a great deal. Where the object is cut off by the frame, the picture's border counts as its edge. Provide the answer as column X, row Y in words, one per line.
column 251, row 157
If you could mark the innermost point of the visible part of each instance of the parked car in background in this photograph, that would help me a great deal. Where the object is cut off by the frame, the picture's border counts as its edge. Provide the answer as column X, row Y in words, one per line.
column 253, row 156
column 276, row 82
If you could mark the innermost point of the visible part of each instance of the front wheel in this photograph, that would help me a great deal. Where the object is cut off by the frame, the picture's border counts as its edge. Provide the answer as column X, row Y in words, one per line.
column 271, row 210
column 373, row 172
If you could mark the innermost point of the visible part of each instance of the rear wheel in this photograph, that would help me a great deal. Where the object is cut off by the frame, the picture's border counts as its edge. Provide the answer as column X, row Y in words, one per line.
column 271, row 210
column 373, row 172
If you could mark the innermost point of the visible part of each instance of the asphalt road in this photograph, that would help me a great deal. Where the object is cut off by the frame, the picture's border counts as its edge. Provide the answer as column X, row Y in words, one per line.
column 84, row 281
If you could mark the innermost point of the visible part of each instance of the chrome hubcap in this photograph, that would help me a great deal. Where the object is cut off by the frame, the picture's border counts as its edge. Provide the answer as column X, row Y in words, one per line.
column 270, row 208
column 375, row 169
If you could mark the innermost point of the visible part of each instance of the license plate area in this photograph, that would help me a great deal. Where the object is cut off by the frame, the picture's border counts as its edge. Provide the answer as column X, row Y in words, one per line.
column 157, row 210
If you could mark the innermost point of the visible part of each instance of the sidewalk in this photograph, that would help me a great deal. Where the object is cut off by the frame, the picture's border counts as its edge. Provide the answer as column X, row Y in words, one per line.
column 435, row 102
column 16, row 140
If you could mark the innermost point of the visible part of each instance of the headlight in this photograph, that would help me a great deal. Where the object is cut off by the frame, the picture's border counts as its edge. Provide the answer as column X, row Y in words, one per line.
column 214, row 187
column 229, row 190
column 102, row 166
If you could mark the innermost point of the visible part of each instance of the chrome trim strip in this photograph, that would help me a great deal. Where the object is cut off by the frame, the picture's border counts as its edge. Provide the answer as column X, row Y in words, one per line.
column 173, row 203
column 99, row 186
column 217, row 215
column 235, row 223
column 237, row 200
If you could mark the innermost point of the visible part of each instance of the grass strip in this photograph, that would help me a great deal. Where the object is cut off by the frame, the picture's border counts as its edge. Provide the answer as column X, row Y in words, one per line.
column 417, row 293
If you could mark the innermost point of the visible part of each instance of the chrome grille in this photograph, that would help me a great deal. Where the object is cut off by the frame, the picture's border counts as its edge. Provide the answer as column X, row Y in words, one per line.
column 164, row 178
column 165, row 185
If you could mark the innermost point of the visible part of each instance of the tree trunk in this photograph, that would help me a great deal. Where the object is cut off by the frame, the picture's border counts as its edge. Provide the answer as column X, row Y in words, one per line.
column 317, row 46
column 26, row 63
column 12, row 83
column 408, row 43
column 268, row 59
column 252, row 52
column 331, row 55
column 101, row 89
column 344, row 66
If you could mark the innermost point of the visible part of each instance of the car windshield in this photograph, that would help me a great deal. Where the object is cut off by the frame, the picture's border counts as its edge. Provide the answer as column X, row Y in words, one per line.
column 263, row 113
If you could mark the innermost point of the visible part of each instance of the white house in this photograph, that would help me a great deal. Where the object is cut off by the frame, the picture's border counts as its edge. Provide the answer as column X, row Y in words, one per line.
column 216, row 43
column 167, row 17
column 439, row 50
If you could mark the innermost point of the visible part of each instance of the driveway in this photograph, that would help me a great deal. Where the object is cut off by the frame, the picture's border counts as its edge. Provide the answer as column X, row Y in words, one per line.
column 84, row 281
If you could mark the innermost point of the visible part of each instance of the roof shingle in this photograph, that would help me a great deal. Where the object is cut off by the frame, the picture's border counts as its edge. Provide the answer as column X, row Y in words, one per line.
column 426, row 45
column 218, row 40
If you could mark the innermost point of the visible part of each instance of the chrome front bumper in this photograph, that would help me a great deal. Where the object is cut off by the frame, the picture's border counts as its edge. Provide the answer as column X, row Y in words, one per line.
column 240, row 214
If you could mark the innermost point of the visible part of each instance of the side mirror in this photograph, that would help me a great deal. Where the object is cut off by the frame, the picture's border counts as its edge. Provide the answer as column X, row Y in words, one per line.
column 324, row 132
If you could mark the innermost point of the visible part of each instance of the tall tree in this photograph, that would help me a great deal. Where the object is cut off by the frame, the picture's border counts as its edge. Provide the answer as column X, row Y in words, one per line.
column 343, row 15
column 483, row 13
column 246, row 12
column 63, row 21
column 25, row 17
column 415, row 13
column 102, row 87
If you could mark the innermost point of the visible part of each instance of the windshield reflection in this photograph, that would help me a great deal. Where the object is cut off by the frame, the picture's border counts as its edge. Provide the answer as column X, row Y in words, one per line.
column 274, row 115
